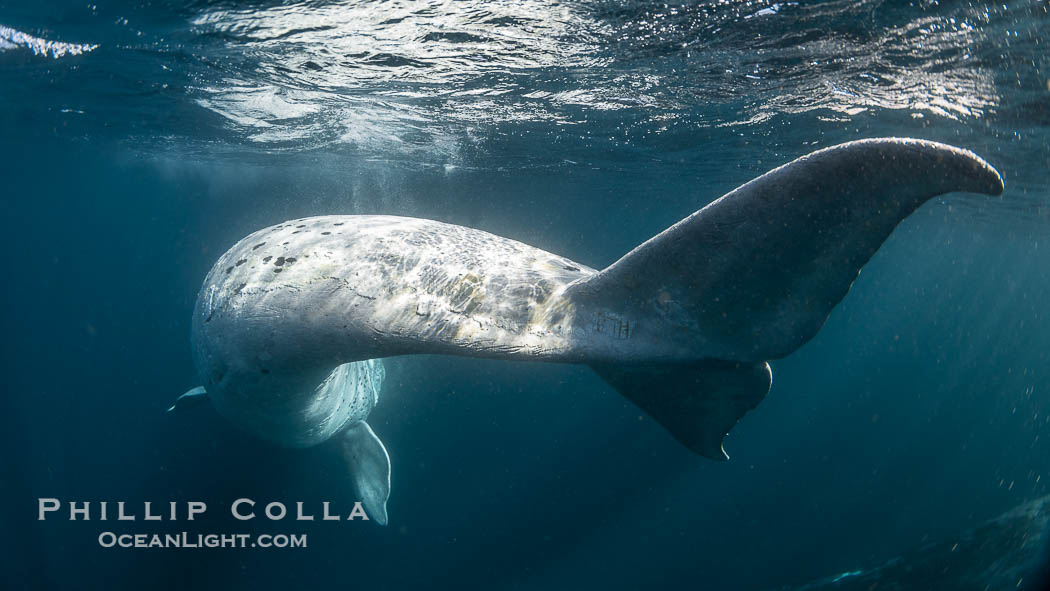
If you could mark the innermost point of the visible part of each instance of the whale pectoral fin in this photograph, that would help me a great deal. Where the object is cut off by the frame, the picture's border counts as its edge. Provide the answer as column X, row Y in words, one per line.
column 697, row 403
column 369, row 466
column 192, row 397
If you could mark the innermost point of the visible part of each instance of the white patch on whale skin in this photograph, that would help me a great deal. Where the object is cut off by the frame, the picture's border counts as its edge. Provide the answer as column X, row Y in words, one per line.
column 442, row 285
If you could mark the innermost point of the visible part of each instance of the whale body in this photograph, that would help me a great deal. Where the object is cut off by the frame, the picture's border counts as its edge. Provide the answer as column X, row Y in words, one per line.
column 292, row 322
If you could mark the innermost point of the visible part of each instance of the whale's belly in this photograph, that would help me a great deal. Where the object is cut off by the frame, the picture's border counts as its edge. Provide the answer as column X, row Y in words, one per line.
column 297, row 410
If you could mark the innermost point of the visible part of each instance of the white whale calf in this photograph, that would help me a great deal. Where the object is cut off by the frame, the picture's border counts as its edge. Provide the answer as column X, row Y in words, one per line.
column 292, row 322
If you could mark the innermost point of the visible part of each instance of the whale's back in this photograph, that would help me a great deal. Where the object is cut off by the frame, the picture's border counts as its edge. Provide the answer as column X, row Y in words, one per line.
column 332, row 289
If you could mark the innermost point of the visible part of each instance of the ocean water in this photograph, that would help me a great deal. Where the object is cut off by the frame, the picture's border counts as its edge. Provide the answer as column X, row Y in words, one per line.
column 140, row 140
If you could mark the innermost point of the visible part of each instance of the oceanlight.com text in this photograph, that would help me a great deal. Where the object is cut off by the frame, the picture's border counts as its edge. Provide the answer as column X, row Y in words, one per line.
column 109, row 539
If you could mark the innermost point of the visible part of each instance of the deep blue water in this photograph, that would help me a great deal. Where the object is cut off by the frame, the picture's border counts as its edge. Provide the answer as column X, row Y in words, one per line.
column 146, row 138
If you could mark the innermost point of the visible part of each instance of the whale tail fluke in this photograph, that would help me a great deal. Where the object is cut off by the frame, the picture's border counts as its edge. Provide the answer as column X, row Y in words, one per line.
column 697, row 403
column 753, row 275
column 369, row 467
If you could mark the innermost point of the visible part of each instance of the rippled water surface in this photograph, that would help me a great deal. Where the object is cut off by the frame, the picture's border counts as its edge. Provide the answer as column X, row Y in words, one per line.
column 142, row 139
column 433, row 81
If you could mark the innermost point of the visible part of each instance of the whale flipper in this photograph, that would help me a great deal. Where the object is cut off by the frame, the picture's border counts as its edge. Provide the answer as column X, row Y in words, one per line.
column 697, row 403
column 192, row 397
column 369, row 466
column 753, row 275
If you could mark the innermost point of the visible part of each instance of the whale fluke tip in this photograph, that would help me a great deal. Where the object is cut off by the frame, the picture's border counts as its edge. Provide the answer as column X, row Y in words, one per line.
column 976, row 174
column 953, row 168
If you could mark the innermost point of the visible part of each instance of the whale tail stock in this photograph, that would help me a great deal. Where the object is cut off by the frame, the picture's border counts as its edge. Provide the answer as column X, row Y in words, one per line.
column 754, row 275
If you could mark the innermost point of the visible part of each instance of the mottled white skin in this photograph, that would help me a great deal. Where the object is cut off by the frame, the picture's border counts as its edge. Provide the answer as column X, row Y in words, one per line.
column 750, row 277
column 311, row 294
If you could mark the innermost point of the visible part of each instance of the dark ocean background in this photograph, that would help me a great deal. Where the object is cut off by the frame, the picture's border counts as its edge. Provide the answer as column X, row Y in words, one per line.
column 140, row 140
